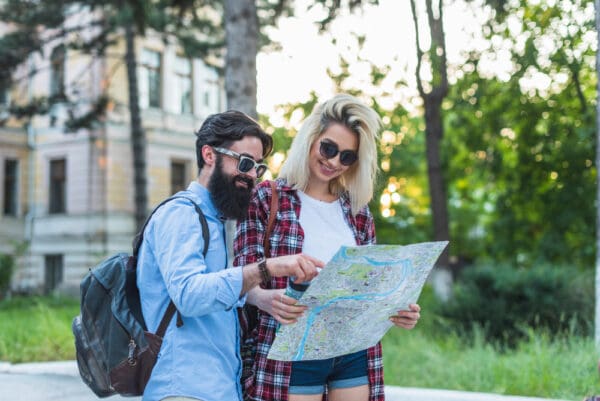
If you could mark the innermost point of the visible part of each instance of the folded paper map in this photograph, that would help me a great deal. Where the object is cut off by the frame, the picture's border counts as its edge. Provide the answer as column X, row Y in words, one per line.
column 351, row 300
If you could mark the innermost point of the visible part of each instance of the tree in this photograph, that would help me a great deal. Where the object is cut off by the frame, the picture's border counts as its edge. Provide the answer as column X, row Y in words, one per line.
column 521, row 149
column 597, row 316
column 434, row 60
column 242, row 37
column 37, row 23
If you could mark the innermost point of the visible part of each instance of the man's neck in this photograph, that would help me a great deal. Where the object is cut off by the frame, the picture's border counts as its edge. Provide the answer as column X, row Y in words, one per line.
column 203, row 178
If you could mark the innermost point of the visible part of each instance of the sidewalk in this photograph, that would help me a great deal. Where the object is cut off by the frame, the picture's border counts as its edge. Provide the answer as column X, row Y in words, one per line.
column 54, row 381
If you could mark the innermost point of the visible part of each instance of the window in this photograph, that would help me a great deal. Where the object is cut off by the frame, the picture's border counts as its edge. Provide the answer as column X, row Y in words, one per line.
column 53, row 272
column 57, row 72
column 206, row 99
column 58, row 186
column 10, row 187
column 183, row 85
column 4, row 97
column 149, row 81
column 179, row 178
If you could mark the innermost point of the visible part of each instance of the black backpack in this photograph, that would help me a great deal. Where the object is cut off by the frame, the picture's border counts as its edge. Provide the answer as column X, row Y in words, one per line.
column 115, row 352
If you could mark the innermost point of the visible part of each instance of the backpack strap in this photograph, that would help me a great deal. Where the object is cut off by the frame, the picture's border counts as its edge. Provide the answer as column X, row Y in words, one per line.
column 272, row 215
column 137, row 243
column 248, row 314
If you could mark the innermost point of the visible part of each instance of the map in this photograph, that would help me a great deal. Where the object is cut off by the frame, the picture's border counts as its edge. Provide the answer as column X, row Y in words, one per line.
column 351, row 299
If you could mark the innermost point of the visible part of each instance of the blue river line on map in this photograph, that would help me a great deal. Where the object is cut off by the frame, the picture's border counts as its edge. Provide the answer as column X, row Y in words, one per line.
column 406, row 268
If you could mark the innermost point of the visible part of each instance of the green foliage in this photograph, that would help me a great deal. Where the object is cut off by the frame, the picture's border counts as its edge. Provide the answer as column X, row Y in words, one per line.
column 539, row 366
column 37, row 329
column 506, row 301
column 520, row 155
column 7, row 266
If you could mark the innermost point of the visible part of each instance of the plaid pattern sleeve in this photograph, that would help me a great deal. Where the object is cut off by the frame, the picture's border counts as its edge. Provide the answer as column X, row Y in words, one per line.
column 266, row 379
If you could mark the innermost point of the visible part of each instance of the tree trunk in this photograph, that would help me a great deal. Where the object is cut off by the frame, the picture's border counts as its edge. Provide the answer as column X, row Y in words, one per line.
column 434, row 131
column 138, row 137
column 597, row 317
column 441, row 276
column 434, row 128
column 241, row 30
column 241, row 38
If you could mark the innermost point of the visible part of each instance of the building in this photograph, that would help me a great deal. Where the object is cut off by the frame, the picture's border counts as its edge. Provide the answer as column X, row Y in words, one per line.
column 67, row 197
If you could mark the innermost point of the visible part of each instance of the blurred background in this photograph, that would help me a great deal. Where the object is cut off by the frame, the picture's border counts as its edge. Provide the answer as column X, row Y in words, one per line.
column 489, row 141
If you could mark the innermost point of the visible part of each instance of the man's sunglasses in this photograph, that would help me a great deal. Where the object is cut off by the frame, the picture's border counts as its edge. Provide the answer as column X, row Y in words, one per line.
column 245, row 163
column 329, row 150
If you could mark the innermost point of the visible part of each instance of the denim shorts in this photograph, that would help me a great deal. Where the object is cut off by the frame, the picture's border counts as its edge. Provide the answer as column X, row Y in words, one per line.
column 311, row 377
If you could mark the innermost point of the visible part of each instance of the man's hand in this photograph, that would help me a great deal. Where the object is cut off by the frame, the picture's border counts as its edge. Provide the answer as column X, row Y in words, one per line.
column 302, row 267
column 407, row 319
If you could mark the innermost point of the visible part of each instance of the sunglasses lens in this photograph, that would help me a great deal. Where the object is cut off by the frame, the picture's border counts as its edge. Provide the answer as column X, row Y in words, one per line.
column 328, row 150
column 245, row 164
column 348, row 157
column 260, row 170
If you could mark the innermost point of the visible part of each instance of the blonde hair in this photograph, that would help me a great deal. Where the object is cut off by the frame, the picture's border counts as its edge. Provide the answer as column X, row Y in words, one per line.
column 359, row 179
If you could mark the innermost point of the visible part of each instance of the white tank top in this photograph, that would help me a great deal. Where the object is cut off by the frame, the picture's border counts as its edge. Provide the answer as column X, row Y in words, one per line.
column 325, row 227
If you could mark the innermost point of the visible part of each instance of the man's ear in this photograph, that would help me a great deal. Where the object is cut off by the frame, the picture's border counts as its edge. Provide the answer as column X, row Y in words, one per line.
column 208, row 155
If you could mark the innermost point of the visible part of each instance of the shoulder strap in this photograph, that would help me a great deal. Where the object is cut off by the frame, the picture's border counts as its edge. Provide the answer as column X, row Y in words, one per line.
column 137, row 242
column 272, row 216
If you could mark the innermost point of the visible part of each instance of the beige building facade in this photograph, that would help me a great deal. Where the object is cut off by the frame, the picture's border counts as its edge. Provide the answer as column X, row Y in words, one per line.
column 67, row 197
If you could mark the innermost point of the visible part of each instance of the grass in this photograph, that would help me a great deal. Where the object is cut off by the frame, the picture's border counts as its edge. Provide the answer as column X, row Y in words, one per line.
column 37, row 329
column 430, row 356
column 539, row 367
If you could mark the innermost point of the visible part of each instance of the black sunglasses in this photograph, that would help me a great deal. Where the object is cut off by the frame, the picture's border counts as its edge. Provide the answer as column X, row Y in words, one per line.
column 329, row 150
column 245, row 163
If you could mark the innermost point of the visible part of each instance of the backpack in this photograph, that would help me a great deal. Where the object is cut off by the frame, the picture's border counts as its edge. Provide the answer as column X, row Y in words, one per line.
column 115, row 351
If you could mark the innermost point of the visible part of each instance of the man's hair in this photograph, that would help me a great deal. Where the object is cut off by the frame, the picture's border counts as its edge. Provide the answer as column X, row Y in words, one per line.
column 222, row 129
column 359, row 179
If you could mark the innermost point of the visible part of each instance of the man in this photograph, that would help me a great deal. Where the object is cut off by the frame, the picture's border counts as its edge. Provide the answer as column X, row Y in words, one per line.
column 200, row 360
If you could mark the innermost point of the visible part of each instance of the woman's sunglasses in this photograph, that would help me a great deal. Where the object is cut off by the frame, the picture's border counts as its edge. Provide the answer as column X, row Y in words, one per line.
column 245, row 163
column 329, row 150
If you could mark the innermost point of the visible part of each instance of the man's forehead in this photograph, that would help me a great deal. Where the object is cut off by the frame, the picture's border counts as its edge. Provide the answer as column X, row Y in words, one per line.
column 250, row 146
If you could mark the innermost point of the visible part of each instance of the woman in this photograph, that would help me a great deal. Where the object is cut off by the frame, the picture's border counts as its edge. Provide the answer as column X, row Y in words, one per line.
column 324, row 187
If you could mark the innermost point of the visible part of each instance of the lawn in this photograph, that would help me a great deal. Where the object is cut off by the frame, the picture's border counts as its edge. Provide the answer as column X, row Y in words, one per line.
column 39, row 329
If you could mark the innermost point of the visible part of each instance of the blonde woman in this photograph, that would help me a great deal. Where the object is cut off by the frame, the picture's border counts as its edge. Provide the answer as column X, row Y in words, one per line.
column 323, row 189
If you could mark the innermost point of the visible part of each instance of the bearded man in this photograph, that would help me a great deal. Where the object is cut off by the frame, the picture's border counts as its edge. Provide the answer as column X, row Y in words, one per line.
column 199, row 359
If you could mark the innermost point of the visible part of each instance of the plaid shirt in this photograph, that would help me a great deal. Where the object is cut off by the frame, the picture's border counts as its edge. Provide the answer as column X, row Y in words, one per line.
column 266, row 379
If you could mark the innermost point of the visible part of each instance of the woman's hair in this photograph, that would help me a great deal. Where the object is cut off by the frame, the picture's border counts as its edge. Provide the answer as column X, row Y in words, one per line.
column 359, row 118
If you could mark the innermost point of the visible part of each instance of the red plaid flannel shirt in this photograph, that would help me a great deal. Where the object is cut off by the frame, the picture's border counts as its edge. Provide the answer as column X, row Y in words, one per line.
column 268, row 380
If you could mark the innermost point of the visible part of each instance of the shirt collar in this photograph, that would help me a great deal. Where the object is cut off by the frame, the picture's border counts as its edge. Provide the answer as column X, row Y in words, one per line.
column 202, row 192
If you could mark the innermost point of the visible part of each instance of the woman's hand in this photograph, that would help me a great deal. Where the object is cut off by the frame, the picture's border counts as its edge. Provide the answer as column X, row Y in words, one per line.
column 284, row 309
column 407, row 319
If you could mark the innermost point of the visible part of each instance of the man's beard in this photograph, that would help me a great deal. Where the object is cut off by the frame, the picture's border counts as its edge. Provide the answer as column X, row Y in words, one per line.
column 232, row 201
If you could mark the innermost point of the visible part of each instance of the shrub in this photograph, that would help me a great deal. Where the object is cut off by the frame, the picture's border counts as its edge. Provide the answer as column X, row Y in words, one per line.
column 7, row 265
column 505, row 301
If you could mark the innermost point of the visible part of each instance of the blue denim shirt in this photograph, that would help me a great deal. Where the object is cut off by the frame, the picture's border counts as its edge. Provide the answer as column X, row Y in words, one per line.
column 201, row 358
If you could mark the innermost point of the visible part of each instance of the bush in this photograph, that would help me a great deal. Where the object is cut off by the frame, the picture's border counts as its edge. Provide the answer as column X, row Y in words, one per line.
column 7, row 265
column 506, row 301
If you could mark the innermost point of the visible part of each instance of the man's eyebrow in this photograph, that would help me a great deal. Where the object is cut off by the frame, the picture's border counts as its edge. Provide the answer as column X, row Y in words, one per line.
column 252, row 157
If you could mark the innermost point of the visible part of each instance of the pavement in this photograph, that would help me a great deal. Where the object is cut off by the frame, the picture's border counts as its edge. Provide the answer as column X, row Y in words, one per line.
column 59, row 381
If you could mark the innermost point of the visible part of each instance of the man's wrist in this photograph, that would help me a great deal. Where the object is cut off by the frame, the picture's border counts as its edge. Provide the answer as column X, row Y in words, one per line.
column 265, row 275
